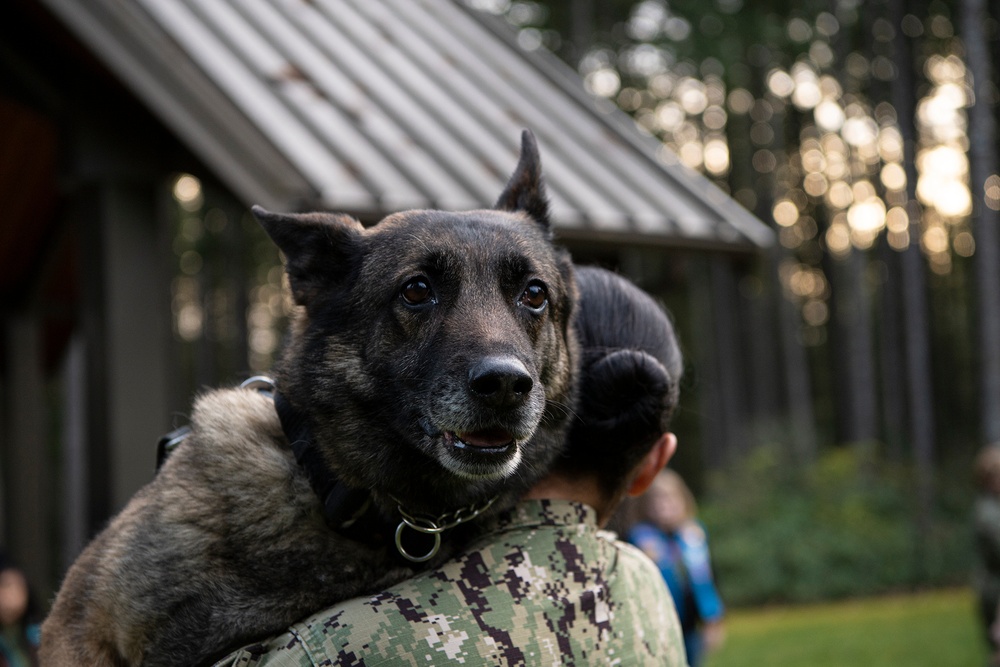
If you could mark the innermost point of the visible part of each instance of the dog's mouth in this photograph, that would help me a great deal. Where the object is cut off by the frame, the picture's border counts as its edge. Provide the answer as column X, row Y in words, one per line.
column 486, row 441
column 490, row 453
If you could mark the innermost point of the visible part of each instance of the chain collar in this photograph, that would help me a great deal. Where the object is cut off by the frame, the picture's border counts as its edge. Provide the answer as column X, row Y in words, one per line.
column 434, row 526
column 337, row 499
column 335, row 502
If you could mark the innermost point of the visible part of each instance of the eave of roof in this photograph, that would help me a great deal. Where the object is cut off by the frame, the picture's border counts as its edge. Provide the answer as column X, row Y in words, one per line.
column 372, row 106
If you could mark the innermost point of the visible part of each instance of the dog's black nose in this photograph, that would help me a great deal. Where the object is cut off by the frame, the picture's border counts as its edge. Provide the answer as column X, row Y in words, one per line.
column 502, row 382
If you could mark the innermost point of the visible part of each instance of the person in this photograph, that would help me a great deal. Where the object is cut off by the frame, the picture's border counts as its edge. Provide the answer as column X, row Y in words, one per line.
column 986, row 527
column 676, row 541
column 543, row 583
column 19, row 633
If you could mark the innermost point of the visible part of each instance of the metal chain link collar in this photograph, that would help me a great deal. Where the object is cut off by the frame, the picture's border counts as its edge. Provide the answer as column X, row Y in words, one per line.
column 434, row 526
column 420, row 523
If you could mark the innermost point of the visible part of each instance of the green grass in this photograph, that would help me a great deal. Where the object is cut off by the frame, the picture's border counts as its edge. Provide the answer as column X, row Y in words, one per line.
column 934, row 629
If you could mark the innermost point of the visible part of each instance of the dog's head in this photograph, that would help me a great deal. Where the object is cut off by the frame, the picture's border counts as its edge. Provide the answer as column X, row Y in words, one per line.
column 432, row 353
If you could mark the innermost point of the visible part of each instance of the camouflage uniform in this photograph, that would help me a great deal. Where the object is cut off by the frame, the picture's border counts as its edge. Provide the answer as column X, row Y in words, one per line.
column 544, row 586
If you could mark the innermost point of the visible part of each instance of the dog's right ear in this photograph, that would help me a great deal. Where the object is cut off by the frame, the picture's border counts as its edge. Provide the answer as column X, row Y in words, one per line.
column 525, row 191
column 317, row 247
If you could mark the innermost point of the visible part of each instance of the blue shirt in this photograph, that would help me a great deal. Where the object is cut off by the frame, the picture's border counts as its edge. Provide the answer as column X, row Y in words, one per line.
column 683, row 559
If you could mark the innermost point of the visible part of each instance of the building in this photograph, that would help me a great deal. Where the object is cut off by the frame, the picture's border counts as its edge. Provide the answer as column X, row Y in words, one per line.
column 365, row 107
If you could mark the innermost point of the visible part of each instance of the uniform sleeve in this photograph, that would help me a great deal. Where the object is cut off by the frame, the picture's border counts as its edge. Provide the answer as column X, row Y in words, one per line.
column 364, row 632
column 284, row 650
column 649, row 615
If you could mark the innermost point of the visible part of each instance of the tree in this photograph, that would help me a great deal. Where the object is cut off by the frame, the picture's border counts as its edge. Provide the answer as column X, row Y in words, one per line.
column 804, row 112
column 984, row 167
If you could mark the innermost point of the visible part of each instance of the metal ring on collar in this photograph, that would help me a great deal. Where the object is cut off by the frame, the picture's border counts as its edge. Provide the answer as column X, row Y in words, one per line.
column 430, row 526
column 258, row 382
column 405, row 554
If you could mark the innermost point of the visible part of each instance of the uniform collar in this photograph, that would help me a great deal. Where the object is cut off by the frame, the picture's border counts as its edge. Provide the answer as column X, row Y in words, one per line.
column 547, row 512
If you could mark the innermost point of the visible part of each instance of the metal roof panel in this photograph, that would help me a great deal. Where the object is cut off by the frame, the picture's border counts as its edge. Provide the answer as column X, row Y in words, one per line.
column 371, row 106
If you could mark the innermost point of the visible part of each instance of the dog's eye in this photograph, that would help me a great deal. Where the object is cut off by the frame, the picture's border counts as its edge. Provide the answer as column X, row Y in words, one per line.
column 416, row 292
column 535, row 295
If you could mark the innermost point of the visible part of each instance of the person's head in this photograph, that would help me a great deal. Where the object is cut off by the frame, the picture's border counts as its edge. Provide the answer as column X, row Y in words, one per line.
column 14, row 594
column 629, row 387
column 986, row 469
column 669, row 503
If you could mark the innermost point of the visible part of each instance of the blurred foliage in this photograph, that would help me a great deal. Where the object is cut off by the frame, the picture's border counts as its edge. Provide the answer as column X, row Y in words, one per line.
column 788, row 106
column 844, row 526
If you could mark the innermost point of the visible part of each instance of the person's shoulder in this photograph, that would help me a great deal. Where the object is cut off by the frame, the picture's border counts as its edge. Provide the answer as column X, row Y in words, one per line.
column 693, row 532
column 986, row 511
column 642, row 529
column 383, row 628
column 645, row 613
column 647, row 537
column 281, row 650
column 987, row 502
column 33, row 633
column 635, row 570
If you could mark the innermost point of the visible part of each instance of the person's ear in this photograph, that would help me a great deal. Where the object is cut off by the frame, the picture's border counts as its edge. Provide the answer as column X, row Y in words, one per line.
column 653, row 463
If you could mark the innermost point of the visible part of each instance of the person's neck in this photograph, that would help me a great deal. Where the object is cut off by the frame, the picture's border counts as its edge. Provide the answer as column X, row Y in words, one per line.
column 578, row 489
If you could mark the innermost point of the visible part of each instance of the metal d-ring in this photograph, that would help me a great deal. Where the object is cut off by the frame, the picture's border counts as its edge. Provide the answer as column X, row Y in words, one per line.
column 261, row 383
column 405, row 554
column 430, row 526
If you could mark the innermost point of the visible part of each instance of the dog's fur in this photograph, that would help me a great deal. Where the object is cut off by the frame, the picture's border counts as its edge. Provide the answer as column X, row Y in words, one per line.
column 429, row 366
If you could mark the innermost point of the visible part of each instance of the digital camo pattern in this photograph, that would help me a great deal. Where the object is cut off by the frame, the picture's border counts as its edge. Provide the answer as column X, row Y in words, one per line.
column 543, row 587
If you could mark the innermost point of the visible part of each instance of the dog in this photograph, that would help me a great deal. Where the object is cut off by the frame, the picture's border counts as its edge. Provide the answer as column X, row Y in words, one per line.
column 426, row 382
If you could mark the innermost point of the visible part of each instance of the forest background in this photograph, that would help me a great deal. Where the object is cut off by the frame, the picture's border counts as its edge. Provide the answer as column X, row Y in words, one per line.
column 864, row 132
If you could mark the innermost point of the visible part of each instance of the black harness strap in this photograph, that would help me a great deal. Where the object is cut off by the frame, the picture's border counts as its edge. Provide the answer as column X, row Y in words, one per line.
column 168, row 443
column 342, row 505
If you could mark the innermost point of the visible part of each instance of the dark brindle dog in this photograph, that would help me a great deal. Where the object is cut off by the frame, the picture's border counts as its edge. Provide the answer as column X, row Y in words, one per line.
column 430, row 365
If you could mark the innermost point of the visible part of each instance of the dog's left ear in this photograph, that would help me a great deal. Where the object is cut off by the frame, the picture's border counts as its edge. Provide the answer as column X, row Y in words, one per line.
column 525, row 190
column 318, row 248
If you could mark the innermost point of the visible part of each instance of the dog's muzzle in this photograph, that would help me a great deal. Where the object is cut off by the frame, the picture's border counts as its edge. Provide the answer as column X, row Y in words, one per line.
column 481, row 423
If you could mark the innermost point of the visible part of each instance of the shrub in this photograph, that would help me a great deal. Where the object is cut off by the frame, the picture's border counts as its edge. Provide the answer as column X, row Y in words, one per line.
column 846, row 525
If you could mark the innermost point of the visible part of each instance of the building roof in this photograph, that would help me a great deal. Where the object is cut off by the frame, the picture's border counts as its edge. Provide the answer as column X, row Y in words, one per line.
column 373, row 106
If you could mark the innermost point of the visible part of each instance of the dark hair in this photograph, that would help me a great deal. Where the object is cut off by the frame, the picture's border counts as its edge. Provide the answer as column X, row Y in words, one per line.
column 629, row 378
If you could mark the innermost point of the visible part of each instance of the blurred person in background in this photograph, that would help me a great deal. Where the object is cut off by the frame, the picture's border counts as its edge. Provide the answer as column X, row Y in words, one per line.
column 986, row 523
column 19, row 628
column 671, row 535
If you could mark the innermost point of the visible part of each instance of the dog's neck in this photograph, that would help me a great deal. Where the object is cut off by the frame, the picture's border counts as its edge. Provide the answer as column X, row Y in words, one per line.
column 342, row 505
column 351, row 512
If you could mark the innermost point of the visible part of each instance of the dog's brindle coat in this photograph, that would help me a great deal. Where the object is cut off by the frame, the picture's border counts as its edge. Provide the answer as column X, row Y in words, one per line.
column 432, row 360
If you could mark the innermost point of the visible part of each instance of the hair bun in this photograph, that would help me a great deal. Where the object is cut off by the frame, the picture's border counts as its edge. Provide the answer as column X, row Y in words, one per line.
column 626, row 392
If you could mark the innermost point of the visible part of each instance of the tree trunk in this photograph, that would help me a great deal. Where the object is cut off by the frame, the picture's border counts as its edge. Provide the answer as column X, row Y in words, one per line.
column 707, row 366
column 851, row 326
column 914, row 297
column 983, row 163
column 796, row 367
column 795, row 359
column 892, row 363
column 856, row 360
column 731, row 379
